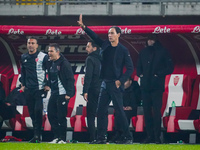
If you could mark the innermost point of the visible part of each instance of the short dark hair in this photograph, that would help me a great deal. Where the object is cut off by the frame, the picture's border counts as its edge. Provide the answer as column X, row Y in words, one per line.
column 153, row 37
column 55, row 45
column 33, row 37
column 117, row 29
column 93, row 44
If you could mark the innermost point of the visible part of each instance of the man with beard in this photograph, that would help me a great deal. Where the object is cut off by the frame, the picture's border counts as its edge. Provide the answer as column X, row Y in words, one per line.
column 91, row 87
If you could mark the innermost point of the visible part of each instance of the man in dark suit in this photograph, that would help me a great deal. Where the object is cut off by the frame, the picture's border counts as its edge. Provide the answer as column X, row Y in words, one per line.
column 114, row 58
column 153, row 65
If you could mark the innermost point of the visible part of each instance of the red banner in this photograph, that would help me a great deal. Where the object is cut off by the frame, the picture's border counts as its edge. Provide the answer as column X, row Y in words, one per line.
column 62, row 30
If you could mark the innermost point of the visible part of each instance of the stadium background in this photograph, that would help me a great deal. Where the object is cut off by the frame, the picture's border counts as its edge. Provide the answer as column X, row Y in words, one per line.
column 73, row 46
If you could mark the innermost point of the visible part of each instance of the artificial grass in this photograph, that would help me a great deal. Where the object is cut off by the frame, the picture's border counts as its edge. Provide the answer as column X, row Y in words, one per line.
column 84, row 146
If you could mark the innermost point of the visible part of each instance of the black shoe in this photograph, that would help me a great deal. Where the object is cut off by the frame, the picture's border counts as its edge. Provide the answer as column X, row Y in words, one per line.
column 93, row 142
column 100, row 142
column 125, row 141
column 158, row 141
column 148, row 140
column 116, row 138
column 35, row 140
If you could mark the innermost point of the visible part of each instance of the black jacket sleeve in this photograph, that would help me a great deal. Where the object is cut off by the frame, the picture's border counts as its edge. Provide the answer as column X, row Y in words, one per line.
column 139, row 66
column 45, row 66
column 169, row 66
column 88, row 75
column 67, row 78
column 129, row 67
column 23, row 72
column 94, row 36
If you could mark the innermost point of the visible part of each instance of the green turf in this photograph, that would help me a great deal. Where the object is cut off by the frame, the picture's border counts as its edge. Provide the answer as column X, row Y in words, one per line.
column 80, row 146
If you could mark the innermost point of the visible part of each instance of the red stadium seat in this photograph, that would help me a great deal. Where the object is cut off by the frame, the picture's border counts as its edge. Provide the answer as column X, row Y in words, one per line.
column 23, row 119
column 177, row 89
column 187, row 118
column 81, row 119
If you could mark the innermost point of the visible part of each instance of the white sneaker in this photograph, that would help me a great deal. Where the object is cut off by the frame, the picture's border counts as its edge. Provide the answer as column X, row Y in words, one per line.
column 61, row 142
column 54, row 141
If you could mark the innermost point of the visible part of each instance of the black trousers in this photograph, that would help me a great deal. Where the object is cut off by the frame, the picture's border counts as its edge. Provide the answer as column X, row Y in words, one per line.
column 152, row 103
column 109, row 92
column 57, row 112
column 7, row 112
column 34, row 101
column 93, row 95
column 129, row 115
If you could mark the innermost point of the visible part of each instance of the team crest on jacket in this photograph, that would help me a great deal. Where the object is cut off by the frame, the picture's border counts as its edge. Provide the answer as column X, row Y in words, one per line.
column 82, row 80
column 176, row 79
column 58, row 67
column 36, row 59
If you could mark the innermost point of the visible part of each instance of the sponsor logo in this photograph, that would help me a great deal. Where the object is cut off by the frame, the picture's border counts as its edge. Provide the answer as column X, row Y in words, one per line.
column 78, row 68
column 176, row 79
column 126, row 31
column 36, row 59
column 196, row 29
column 13, row 31
column 161, row 30
column 80, row 31
column 51, row 32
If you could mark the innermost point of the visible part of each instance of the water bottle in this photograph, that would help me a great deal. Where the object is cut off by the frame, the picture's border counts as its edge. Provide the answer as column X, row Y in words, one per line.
column 141, row 103
column 173, row 104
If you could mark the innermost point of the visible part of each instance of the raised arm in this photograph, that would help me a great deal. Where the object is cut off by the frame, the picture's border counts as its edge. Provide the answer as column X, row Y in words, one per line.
column 89, row 32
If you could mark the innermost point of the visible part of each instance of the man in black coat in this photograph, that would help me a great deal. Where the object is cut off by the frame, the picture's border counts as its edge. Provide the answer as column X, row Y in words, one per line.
column 61, row 82
column 153, row 65
column 114, row 58
column 91, row 87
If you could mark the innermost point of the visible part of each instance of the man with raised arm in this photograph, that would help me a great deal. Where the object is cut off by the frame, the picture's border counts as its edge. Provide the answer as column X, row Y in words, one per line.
column 115, row 57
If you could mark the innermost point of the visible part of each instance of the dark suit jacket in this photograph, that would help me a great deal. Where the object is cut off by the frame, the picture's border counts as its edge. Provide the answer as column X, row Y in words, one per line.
column 154, row 64
column 122, row 57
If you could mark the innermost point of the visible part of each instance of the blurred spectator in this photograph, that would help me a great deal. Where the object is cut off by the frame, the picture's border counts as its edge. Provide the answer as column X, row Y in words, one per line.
column 16, row 97
column 6, row 112
column 8, row 104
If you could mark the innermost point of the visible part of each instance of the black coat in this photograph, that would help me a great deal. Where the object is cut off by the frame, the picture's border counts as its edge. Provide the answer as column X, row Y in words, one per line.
column 154, row 64
column 65, row 74
column 122, row 57
column 16, row 97
column 92, row 73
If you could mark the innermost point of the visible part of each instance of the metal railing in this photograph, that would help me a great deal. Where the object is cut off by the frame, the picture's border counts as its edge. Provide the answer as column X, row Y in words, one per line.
column 110, row 7
column 77, row 2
